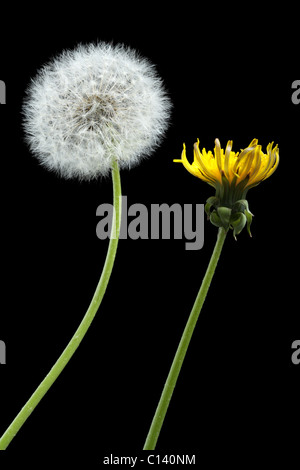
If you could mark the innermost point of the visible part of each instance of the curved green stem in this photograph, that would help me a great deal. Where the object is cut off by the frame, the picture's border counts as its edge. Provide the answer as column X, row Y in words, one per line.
column 84, row 325
column 167, row 392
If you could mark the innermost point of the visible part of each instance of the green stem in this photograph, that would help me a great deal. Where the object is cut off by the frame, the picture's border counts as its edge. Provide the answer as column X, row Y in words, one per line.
column 84, row 325
column 167, row 392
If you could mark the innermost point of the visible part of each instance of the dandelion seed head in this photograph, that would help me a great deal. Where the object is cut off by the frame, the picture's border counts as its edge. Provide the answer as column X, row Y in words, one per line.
column 91, row 105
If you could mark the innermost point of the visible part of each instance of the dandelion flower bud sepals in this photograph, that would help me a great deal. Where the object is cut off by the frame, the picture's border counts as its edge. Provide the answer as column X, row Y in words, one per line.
column 93, row 105
column 232, row 175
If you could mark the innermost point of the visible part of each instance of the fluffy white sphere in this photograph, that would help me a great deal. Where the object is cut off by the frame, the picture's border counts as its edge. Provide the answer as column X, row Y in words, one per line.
column 94, row 104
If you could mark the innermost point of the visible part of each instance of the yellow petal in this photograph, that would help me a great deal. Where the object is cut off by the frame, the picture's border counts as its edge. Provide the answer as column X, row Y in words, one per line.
column 186, row 163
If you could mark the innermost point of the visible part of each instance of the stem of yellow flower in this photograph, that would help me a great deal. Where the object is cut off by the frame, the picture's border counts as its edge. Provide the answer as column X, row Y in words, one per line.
column 84, row 325
column 167, row 392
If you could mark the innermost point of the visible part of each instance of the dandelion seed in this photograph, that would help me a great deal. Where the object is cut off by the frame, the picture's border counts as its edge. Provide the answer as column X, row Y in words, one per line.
column 92, row 105
column 89, row 112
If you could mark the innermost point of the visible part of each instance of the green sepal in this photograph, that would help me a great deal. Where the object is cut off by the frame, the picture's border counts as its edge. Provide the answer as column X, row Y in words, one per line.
column 225, row 214
column 212, row 201
column 234, row 216
column 249, row 216
column 238, row 222
column 221, row 217
column 241, row 206
column 215, row 219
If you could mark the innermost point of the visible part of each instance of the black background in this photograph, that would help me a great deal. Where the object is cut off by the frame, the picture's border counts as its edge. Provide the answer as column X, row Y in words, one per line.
column 238, row 390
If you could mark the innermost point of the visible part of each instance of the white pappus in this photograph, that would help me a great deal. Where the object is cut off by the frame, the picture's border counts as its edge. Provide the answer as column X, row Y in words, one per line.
column 91, row 105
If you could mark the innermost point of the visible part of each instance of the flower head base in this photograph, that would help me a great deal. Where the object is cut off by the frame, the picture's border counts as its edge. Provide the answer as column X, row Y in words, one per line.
column 232, row 175
column 93, row 105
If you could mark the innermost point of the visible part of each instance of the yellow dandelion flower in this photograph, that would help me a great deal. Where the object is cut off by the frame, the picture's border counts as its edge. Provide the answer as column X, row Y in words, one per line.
column 232, row 174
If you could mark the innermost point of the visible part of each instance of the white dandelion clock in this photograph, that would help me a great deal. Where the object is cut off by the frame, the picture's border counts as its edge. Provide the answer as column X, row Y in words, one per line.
column 93, row 105
column 90, row 111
